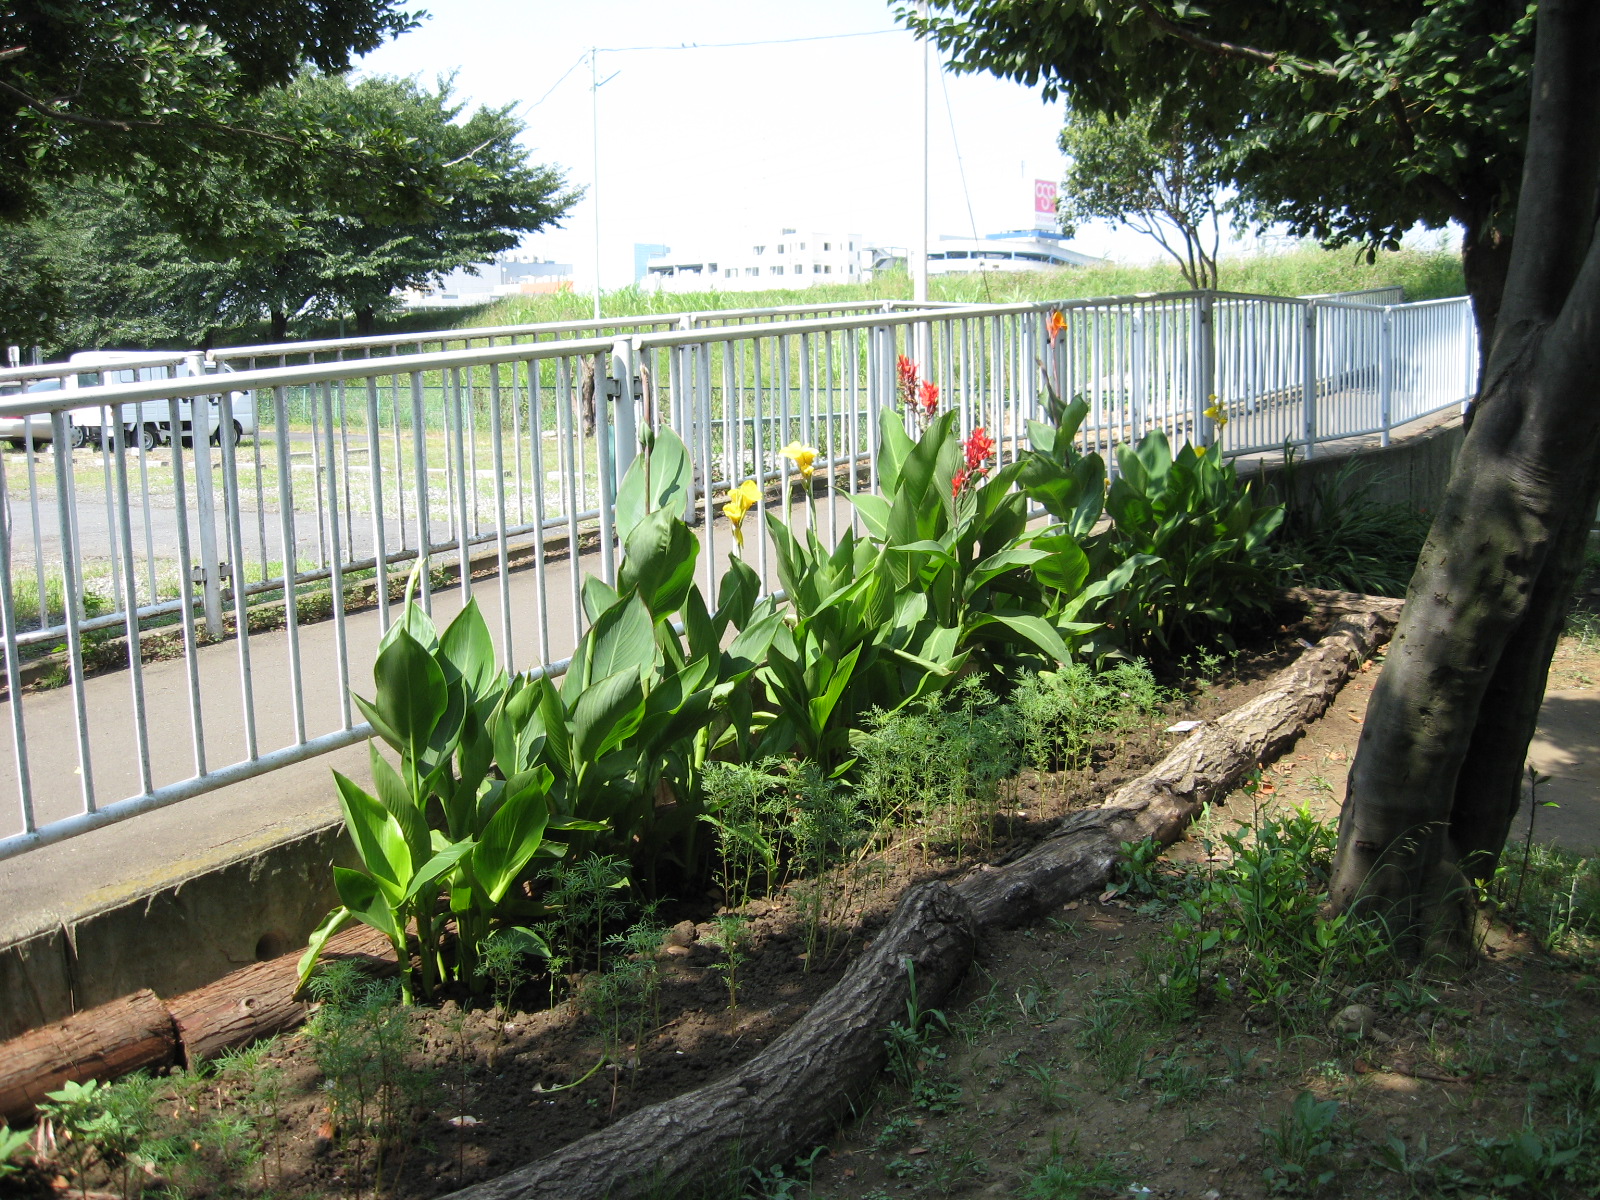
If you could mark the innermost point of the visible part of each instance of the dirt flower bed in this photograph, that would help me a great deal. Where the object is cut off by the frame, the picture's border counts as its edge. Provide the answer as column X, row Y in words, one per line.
column 416, row 1103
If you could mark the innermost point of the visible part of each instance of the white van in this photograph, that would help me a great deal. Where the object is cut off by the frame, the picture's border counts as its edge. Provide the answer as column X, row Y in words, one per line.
column 150, row 426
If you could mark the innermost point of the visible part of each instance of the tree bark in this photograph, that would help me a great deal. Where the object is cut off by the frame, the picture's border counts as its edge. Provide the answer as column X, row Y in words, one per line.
column 789, row 1096
column 98, row 1043
column 1433, row 787
column 366, row 322
column 261, row 1000
column 280, row 325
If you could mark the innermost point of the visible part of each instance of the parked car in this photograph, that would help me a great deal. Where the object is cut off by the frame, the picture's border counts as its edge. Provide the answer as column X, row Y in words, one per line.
column 15, row 430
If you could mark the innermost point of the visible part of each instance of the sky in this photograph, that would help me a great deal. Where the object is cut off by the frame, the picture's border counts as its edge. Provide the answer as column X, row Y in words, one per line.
column 700, row 139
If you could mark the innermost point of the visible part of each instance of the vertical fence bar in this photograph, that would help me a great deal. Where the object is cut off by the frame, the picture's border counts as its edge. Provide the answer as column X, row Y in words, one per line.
column 236, row 572
column 1308, row 377
column 8, row 623
column 191, row 644
column 291, row 562
column 71, row 599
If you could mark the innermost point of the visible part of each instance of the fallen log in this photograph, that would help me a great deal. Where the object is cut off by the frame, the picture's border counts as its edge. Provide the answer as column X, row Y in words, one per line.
column 784, row 1100
column 141, row 1030
column 793, row 1094
column 261, row 1000
column 99, row 1043
column 1079, row 854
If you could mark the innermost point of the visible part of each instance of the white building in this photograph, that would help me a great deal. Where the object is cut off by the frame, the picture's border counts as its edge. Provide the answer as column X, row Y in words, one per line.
column 1023, row 250
column 788, row 258
column 516, row 273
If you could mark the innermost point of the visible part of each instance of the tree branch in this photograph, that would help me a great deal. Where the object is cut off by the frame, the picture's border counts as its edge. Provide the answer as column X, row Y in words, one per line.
column 129, row 124
column 1226, row 49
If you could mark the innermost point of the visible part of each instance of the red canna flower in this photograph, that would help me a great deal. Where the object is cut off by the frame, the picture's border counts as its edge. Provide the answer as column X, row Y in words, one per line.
column 928, row 399
column 908, row 378
column 957, row 482
column 979, row 449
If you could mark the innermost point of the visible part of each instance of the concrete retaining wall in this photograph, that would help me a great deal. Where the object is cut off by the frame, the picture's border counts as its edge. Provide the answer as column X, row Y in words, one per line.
column 262, row 901
column 1412, row 473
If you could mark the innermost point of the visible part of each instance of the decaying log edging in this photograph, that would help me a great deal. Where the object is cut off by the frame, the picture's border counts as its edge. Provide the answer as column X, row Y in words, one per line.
column 103, row 1042
column 142, row 1030
column 262, row 999
column 792, row 1094
column 782, row 1102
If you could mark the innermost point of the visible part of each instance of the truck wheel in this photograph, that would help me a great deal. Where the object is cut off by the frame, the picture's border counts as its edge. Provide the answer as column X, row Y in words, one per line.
column 78, row 436
column 149, row 436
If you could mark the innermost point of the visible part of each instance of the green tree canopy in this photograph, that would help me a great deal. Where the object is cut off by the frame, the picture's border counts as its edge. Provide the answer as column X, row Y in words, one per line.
column 1353, row 122
column 1163, row 180
column 123, row 87
column 118, row 271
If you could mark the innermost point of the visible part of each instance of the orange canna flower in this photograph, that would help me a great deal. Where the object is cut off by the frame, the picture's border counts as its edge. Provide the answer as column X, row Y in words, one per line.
column 1056, row 323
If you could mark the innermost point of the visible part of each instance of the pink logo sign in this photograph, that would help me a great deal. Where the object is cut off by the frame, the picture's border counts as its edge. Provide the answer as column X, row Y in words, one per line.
column 1044, row 196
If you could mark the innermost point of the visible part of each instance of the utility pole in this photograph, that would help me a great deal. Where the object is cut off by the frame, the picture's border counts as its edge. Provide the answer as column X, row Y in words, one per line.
column 594, row 195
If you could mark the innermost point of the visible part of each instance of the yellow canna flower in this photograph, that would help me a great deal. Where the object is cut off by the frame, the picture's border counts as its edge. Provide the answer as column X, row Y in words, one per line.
column 803, row 457
column 740, row 501
column 1216, row 413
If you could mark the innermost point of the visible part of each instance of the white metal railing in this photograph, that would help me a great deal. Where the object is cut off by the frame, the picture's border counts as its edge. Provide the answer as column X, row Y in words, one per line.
column 497, row 461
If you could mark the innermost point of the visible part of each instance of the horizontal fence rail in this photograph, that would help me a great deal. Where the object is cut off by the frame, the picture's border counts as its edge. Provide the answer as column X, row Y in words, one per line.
column 206, row 553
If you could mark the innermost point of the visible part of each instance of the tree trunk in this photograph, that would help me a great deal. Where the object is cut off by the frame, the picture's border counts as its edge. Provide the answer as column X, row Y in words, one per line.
column 280, row 325
column 98, row 1043
column 1434, row 784
column 366, row 322
column 1485, row 256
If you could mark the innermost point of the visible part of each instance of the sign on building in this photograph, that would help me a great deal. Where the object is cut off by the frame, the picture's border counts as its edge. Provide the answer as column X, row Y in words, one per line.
column 1044, row 204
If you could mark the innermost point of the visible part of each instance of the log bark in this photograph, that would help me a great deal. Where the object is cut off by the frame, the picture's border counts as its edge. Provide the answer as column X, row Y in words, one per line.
column 1080, row 853
column 790, row 1097
column 98, row 1043
column 260, row 1000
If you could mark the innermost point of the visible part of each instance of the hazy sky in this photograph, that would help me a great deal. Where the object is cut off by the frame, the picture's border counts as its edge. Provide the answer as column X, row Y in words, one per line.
column 702, row 142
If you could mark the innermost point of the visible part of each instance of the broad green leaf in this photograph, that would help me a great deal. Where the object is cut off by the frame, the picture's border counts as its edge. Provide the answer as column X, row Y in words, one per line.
column 657, row 479
column 411, row 693
column 658, row 562
column 607, row 712
column 378, row 838
column 366, row 901
column 467, row 650
column 874, row 511
column 622, row 639
column 331, row 924
column 511, row 839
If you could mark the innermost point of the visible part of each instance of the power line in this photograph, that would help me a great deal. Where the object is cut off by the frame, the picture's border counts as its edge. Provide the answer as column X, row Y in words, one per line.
column 823, row 37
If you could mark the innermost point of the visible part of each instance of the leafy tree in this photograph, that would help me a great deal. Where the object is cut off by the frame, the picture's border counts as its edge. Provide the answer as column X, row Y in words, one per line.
column 131, row 275
column 1159, row 178
column 1351, row 123
column 1406, row 112
column 114, row 88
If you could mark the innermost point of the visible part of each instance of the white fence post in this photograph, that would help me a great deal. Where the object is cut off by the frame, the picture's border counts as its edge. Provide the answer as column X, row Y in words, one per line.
column 1308, row 378
column 1205, row 366
column 205, row 503
column 1386, row 373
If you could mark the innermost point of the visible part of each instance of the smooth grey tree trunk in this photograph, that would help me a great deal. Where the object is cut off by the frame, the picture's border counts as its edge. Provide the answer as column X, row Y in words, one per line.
column 1436, row 778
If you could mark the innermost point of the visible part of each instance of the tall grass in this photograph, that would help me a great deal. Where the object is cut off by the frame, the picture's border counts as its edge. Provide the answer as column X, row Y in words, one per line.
column 1425, row 275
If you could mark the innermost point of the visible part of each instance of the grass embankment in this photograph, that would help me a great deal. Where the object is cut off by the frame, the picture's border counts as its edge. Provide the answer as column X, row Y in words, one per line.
column 1425, row 275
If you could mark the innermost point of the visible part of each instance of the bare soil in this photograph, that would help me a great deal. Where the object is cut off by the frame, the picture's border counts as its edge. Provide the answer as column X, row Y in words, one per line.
column 1461, row 1061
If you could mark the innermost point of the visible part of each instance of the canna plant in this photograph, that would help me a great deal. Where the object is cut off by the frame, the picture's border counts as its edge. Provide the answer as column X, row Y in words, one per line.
column 1198, row 538
column 954, row 530
column 456, row 819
